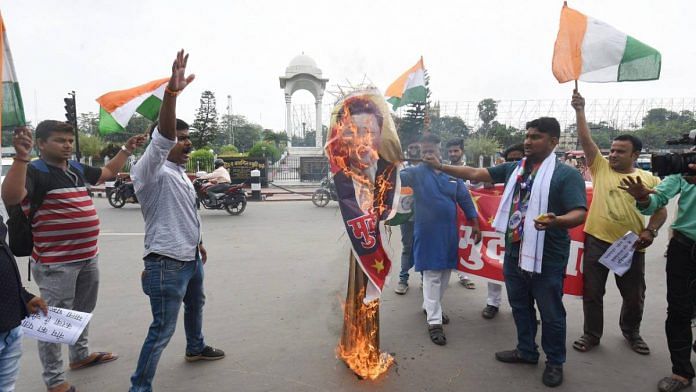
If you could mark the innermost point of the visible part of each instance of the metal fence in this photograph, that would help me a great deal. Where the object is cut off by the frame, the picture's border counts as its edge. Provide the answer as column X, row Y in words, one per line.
column 298, row 169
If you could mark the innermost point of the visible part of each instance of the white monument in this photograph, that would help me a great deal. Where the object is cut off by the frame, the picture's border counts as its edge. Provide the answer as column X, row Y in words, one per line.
column 303, row 74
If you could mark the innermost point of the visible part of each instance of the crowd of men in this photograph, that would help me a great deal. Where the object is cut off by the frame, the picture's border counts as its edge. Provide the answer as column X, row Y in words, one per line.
column 542, row 199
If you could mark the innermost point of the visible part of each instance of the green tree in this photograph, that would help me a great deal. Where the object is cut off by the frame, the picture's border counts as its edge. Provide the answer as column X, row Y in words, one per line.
column 505, row 135
column 265, row 150
column 201, row 159
column 487, row 111
column 280, row 139
column 245, row 136
column 228, row 124
column 480, row 145
column 91, row 146
column 205, row 125
column 449, row 127
column 228, row 150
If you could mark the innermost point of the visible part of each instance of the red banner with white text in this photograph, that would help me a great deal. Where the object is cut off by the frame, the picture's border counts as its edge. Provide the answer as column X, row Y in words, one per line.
column 486, row 258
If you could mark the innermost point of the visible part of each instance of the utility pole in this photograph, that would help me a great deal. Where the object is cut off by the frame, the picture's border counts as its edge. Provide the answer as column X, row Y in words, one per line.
column 71, row 116
column 230, row 130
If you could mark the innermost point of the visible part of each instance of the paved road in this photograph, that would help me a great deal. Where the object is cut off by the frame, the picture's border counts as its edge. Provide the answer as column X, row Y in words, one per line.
column 274, row 282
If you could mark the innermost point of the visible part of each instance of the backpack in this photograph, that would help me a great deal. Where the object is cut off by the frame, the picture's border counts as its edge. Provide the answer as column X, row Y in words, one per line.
column 21, row 239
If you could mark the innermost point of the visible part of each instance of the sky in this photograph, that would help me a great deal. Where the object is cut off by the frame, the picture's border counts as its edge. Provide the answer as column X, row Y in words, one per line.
column 472, row 49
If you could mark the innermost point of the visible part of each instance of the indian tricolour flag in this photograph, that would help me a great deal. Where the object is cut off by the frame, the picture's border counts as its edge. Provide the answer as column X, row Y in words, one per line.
column 404, row 211
column 117, row 107
column 12, row 113
column 592, row 51
column 409, row 87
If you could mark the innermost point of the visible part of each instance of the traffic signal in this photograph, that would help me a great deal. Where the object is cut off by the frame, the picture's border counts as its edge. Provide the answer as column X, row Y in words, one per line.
column 70, row 110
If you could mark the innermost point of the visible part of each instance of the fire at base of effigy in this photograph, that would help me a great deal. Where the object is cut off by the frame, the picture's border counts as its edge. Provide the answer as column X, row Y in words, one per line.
column 359, row 345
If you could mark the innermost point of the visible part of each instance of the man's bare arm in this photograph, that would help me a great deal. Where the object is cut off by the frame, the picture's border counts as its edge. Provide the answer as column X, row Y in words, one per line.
column 463, row 172
column 588, row 145
column 178, row 82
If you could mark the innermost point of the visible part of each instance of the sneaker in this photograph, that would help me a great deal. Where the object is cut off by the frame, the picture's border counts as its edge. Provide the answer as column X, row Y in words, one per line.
column 401, row 288
column 553, row 376
column 514, row 356
column 208, row 354
column 489, row 312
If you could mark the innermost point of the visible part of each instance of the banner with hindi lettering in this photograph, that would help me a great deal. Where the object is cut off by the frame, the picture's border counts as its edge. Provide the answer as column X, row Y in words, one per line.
column 486, row 258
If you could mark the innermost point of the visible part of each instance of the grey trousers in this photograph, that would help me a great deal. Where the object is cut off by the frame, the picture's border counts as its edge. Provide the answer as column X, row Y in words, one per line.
column 70, row 286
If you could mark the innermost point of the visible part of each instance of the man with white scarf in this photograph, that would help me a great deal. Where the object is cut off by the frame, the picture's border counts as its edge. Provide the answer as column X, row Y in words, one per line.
column 543, row 198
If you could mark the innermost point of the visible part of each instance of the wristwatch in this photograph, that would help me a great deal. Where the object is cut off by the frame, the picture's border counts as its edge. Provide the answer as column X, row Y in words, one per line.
column 124, row 149
column 652, row 231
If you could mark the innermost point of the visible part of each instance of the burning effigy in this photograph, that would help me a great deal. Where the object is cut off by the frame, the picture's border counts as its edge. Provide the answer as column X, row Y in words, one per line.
column 364, row 154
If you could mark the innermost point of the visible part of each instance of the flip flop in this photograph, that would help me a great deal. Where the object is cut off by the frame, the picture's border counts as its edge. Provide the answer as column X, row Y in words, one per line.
column 96, row 358
column 638, row 344
column 585, row 344
column 437, row 334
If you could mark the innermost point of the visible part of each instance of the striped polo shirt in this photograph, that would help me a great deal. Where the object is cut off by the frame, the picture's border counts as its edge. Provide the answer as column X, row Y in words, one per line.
column 66, row 225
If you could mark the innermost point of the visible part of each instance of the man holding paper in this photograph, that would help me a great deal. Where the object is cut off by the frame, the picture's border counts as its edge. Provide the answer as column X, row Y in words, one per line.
column 612, row 214
column 543, row 198
column 681, row 268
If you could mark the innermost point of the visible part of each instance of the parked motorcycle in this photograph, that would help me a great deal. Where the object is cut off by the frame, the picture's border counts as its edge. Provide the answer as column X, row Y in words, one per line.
column 122, row 192
column 233, row 199
column 326, row 193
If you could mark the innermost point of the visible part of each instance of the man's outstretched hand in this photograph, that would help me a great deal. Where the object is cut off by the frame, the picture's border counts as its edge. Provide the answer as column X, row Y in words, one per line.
column 636, row 188
column 432, row 161
column 179, row 81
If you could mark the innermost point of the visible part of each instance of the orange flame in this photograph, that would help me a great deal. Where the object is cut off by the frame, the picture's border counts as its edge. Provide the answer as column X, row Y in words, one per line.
column 359, row 348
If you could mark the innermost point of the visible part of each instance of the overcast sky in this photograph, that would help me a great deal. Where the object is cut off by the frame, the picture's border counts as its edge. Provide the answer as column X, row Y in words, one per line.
column 472, row 49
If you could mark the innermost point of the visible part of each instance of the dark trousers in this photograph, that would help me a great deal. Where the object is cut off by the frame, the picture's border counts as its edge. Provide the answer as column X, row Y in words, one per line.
column 631, row 286
column 546, row 289
column 681, row 295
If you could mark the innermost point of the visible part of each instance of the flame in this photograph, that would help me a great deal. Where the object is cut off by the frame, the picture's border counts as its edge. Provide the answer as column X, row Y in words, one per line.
column 359, row 346
column 354, row 150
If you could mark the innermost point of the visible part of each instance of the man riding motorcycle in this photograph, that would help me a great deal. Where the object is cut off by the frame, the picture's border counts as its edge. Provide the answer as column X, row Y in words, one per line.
column 221, row 177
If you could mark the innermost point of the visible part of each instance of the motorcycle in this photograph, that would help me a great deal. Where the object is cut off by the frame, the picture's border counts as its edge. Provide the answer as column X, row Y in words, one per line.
column 122, row 192
column 326, row 193
column 233, row 199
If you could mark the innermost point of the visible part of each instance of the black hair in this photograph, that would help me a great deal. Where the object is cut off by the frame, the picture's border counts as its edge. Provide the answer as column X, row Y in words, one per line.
column 515, row 147
column 46, row 127
column 430, row 138
column 546, row 125
column 360, row 105
column 637, row 143
column 181, row 125
column 456, row 142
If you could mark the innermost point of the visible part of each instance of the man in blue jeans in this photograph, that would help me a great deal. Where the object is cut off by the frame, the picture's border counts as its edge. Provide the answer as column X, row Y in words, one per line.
column 174, row 253
column 553, row 195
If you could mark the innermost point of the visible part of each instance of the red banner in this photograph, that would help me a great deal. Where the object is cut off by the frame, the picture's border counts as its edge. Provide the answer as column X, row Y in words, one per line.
column 486, row 258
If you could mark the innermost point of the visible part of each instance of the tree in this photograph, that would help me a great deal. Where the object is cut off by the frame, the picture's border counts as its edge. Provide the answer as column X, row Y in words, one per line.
column 487, row 111
column 480, row 145
column 137, row 124
column 265, row 150
column 88, row 123
column 202, row 159
column 228, row 124
column 228, row 150
column 412, row 124
column 91, row 146
column 449, row 127
column 505, row 135
column 205, row 125
column 279, row 139
column 245, row 136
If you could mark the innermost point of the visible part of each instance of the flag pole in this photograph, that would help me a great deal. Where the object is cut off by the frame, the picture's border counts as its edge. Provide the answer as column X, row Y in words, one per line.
column 576, row 85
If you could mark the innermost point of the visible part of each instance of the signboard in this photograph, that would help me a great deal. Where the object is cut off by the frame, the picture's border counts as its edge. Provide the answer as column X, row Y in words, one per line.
column 240, row 169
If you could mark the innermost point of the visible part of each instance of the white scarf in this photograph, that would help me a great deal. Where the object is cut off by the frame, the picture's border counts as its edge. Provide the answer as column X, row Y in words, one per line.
column 532, row 249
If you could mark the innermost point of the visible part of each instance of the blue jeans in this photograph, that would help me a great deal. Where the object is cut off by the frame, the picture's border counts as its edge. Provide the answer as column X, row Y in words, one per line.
column 168, row 283
column 407, row 251
column 524, row 288
column 10, row 352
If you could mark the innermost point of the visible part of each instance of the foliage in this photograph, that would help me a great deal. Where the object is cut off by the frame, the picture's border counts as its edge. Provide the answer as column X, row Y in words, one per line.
column 505, row 135
column 88, row 123
column 487, row 111
column 109, row 150
column 449, row 127
column 91, row 146
column 205, row 126
column 228, row 150
column 265, row 149
column 202, row 159
column 279, row 139
column 480, row 145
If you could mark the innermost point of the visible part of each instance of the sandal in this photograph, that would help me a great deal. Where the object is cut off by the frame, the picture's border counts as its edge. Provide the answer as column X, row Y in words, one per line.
column 437, row 334
column 468, row 283
column 96, row 358
column 64, row 387
column 637, row 344
column 585, row 343
column 669, row 384
column 445, row 318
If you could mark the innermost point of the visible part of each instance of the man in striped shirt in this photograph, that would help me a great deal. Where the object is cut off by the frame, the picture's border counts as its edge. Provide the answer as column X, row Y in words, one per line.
column 65, row 228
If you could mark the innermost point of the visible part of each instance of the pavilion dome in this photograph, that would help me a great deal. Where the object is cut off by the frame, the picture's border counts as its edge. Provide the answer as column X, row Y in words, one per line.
column 302, row 64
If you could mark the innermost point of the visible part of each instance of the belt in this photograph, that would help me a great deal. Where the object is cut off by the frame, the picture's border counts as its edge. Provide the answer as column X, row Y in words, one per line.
column 683, row 239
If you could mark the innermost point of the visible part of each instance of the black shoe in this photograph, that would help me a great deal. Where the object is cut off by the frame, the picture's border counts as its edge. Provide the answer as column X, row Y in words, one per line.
column 553, row 376
column 489, row 311
column 513, row 356
column 208, row 354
